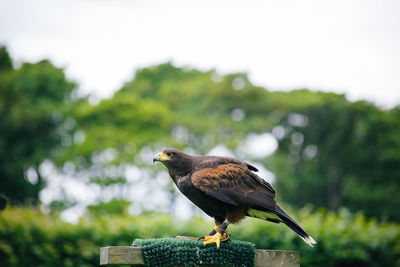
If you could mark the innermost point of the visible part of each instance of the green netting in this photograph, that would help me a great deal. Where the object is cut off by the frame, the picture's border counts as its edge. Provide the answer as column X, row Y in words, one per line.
column 188, row 252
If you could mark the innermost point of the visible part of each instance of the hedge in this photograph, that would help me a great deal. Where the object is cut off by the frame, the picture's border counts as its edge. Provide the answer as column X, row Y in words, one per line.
column 29, row 237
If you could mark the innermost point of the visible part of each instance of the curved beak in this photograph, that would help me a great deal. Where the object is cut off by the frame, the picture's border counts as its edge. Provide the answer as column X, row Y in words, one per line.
column 160, row 157
column 156, row 158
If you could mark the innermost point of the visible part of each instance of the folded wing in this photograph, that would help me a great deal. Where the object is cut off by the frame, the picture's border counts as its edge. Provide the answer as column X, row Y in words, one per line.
column 235, row 184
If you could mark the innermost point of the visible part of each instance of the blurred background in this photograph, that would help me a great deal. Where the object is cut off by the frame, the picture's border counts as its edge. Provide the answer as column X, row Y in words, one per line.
column 308, row 92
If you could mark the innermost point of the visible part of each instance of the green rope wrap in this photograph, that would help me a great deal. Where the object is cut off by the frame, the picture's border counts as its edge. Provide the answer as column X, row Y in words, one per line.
column 188, row 252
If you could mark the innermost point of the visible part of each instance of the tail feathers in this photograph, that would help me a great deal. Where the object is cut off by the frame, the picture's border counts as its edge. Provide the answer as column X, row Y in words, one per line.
column 292, row 224
column 309, row 240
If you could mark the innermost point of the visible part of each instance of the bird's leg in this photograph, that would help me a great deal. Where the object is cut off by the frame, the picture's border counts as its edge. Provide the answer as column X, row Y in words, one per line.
column 220, row 235
column 213, row 231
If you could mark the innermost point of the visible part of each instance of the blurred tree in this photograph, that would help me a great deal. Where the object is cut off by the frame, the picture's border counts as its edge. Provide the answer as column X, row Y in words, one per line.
column 5, row 60
column 203, row 105
column 162, row 106
column 32, row 100
column 114, row 207
column 331, row 152
column 338, row 154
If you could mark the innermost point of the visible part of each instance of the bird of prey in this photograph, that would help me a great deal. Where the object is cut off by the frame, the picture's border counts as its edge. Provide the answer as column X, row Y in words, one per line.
column 226, row 189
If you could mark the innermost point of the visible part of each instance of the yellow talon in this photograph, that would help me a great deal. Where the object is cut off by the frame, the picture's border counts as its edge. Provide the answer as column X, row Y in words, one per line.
column 220, row 236
column 217, row 238
column 213, row 239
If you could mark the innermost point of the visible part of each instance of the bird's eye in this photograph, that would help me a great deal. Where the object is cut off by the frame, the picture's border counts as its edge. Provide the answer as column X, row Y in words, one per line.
column 170, row 154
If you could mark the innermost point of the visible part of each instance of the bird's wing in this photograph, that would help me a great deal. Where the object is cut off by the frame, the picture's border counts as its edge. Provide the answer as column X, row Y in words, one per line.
column 235, row 184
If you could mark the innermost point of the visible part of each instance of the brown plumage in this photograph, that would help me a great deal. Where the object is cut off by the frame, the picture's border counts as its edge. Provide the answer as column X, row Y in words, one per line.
column 226, row 189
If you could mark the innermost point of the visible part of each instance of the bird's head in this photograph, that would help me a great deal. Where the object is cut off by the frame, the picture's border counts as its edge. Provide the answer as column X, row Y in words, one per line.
column 175, row 160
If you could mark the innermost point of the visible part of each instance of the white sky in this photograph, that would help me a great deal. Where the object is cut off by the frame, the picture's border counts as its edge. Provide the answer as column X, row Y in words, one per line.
column 350, row 47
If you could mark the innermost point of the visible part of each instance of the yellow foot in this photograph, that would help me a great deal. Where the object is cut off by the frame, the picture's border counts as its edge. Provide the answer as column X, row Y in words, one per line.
column 217, row 239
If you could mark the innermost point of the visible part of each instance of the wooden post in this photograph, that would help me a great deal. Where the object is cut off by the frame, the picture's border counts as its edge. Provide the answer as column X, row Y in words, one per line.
column 124, row 255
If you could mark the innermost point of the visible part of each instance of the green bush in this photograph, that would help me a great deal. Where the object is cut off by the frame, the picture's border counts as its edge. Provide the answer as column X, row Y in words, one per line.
column 29, row 237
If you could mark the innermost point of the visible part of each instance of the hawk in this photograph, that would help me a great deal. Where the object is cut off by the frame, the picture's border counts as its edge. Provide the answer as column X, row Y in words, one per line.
column 226, row 189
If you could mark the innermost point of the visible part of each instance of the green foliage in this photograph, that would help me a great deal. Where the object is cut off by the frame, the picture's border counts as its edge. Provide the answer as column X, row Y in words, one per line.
column 5, row 60
column 356, row 162
column 169, row 106
column 113, row 207
column 30, row 238
column 121, row 123
column 332, row 152
column 32, row 110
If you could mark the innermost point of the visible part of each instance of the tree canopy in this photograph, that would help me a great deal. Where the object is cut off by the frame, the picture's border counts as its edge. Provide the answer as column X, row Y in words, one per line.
column 33, row 100
column 331, row 152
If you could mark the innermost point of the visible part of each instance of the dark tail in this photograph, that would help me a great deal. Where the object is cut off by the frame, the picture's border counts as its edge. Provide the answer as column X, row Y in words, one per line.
column 292, row 224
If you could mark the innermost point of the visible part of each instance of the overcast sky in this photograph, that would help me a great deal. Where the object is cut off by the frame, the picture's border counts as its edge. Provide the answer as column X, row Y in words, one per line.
column 350, row 47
